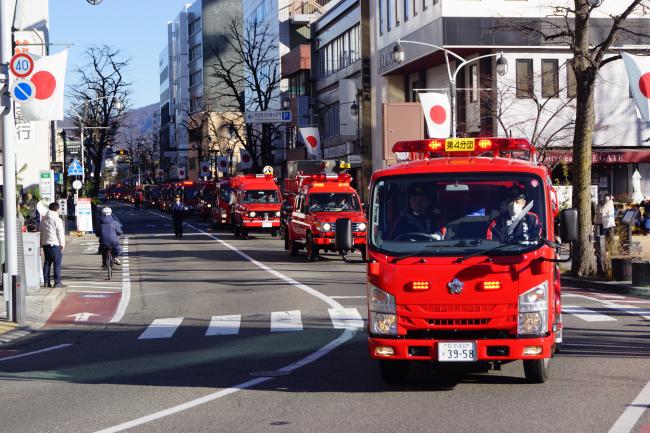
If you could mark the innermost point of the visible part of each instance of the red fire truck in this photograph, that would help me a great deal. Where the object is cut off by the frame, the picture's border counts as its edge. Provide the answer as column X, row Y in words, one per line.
column 463, row 257
column 256, row 204
column 324, row 204
column 189, row 192
column 222, row 208
column 207, row 199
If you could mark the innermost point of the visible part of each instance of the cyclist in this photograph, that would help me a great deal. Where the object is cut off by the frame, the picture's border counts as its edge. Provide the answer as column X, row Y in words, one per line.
column 109, row 231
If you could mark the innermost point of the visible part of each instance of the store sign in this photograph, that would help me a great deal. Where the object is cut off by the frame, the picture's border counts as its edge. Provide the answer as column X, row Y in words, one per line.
column 551, row 158
column 46, row 186
column 338, row 151
column 83, row 211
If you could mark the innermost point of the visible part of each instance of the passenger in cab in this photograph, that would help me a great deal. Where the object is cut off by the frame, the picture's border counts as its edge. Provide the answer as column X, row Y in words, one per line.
column 419, row 218
column 517, row 223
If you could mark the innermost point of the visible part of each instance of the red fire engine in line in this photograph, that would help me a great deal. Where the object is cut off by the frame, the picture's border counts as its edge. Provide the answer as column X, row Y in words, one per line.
column 462, row 257
column 325, row 205
column 256, row 204
column 222, row 208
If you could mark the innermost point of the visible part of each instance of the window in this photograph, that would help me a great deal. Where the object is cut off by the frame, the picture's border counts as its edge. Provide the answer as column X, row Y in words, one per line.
column 195, row 52
column 550, row 78
column 415, row 10
column 196, row 78
column 195, row 103
column 406, row 10
column 425, row 6
column 339, row 53
column 396, row 14
column 388, row 17
column 473, row 77
column 525, row 85
column 381, row 16
column 570, row 81
column 194, row 27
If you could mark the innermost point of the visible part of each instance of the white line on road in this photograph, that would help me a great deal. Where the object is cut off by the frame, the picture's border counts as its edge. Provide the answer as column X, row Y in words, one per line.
column 126, row 288
column 586, row 314
column 629, row 418
column 342, row 339
column 47, row 349
column 628, row 309
column 224, row 325
column 286, row 321
column 346, row 318
column 161, row 328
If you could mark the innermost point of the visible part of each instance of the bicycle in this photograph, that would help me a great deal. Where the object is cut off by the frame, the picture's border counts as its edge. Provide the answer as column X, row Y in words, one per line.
column 108, row 260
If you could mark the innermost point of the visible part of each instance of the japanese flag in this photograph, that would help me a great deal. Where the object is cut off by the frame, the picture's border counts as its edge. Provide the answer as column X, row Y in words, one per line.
column 311, row 137
column 181, row 172
column 638, row 74
column 48, row 79
column 437, row 113
column 222, row 164
column 205, row 169
column 245, row 160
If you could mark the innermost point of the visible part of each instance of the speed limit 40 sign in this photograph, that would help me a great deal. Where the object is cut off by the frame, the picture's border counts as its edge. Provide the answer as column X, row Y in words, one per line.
column 21, row 65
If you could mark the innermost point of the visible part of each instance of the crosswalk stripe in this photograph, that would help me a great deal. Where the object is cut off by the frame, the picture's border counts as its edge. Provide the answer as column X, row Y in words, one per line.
column 346, row 318
column 224, row 325
column 161, row 328
column 282, row 321
column 586, row 314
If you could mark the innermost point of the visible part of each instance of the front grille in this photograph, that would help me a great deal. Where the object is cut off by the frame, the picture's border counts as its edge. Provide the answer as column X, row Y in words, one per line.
column 424, row 334
column 355, row 227
column 458, row 322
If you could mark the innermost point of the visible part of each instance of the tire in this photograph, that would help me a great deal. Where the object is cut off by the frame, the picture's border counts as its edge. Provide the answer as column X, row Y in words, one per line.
column 236, row 231
column 536, row 370
column 274, row 233
column 394, row 372
column 243, row 232
column 311, row 248
column 286, row 244
column 292, row 247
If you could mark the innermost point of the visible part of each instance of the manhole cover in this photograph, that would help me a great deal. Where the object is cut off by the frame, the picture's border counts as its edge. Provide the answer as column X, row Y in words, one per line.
column 270, row 373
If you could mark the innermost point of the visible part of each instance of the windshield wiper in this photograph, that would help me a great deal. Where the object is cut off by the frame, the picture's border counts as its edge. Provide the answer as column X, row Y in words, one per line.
column 484, row 252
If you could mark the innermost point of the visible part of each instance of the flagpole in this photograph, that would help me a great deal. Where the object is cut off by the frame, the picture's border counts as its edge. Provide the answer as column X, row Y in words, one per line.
column 10, row 273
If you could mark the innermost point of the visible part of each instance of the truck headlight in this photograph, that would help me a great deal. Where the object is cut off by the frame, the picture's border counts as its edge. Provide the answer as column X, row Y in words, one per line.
column 277, row 214
column 324, row 227
column 382, row 312
column 223, row 214
column 362, row 227
column 533, row 311
column 252, row 214
column 209, row 205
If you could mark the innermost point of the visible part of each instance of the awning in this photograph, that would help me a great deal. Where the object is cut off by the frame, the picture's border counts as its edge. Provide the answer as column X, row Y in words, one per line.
column 604, row 156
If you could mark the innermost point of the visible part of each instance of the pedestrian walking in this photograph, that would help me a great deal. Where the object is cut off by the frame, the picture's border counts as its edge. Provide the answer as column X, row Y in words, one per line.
column 608, row 215
column 53, row 243
column 178, row 212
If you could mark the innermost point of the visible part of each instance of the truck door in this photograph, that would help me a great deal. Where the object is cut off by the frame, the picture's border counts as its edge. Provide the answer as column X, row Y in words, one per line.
column 298, row 219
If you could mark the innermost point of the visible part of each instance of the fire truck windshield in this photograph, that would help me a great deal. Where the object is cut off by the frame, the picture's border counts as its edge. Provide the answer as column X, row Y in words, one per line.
column 457, row 213
column 190, row 192
column 260, row 196
column 332, row 202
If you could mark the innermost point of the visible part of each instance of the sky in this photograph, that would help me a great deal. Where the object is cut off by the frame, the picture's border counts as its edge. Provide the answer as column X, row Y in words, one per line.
column 137, row 27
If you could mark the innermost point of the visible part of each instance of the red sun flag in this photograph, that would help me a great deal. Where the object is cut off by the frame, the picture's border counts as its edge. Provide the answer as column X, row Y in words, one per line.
column 644, row 84
column 436, row 105
column 48, row 79
column 45, row 84
column 313, row 142
column 311, row 137
column 438, row 114
column 638, row 71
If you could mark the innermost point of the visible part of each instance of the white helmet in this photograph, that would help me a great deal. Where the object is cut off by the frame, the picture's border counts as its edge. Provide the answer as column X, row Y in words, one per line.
column 107, row 211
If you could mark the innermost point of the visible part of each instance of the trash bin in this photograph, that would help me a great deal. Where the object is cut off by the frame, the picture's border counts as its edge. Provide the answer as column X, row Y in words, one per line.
column 641, row 273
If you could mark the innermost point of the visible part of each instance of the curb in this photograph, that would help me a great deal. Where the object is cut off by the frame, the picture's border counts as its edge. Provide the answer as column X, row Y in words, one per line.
column 52, row 299
column 620, row 287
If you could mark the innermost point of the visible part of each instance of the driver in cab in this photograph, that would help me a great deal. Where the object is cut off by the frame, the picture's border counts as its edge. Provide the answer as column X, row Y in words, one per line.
column 517, row 223
column 420, row 220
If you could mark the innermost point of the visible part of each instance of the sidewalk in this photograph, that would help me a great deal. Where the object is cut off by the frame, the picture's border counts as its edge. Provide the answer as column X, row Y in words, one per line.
column 80, row 263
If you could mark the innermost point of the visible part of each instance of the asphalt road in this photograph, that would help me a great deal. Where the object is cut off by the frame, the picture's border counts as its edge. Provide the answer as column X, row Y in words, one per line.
column 229, row 335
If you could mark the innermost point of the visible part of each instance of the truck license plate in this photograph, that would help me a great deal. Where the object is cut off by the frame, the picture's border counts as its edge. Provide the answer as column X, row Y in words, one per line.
column 459, row 145
column 457, row 351
column 267, row 224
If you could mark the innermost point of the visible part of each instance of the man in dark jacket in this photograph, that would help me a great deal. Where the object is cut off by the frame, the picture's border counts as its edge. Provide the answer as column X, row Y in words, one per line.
column 421, row 218
column 108, row 232
column 178, row 212
column 513, row 225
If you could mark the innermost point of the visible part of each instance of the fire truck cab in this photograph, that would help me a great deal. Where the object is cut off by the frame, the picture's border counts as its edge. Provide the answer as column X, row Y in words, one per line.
column 326, row 209
column 256, row 204
column 222, row 208
column 189, row 192
column 463, row 257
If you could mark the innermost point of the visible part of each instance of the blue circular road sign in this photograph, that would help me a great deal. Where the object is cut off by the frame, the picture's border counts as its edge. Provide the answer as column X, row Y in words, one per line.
column 23, row 91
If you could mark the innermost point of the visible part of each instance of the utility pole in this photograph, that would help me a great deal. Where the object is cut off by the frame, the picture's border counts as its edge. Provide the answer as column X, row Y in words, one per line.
column 10, row 273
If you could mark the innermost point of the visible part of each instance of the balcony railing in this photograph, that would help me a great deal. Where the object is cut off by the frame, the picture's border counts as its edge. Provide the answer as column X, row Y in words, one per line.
column 303, row 7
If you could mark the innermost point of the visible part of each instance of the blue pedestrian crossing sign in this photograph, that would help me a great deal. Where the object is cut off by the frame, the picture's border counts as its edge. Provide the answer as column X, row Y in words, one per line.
column 74, row 169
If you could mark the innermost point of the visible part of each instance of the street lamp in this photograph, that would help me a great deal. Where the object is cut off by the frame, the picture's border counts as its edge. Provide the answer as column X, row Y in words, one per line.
column 595, row 3
column 501, row 68
column 354, row 109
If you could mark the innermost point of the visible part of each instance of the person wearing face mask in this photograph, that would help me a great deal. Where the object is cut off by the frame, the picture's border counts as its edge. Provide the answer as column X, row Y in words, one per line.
column 178, row 212
column 511, row 225
column 420, row 217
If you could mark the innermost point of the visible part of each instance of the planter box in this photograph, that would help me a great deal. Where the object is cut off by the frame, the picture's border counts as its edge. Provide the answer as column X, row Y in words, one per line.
column 621, row 269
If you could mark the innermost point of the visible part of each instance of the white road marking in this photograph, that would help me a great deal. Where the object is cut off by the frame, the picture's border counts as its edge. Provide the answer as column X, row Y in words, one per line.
column 161, row 328
column 224, row 325
column 348, row 297
column 286, row 321
column 586, row 314
column 603, row 295
column 47, row 349
column 629, row 418
column 126, row 287
column 93, row 287
column 342, row 339
column 346, row 318
column 629, row 309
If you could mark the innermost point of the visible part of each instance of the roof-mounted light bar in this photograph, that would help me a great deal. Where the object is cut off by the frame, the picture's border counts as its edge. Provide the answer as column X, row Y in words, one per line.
column 451, row 147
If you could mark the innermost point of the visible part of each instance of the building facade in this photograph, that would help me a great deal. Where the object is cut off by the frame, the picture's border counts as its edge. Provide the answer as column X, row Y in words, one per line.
column 490, row 104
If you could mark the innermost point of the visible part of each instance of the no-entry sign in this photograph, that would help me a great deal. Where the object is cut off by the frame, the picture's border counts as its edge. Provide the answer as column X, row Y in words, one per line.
column 21, row 65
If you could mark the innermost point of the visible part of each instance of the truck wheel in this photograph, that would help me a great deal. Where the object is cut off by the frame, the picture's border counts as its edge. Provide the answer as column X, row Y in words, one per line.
column 536, row 370
column 311, row 249
column 274, row 233
column 235, row 230
column 394, row 372
column 293, row 247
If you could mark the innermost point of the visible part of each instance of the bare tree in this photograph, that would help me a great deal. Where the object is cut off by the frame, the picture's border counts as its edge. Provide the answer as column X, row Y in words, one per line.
column 248, row 80
column 100, row 101
column 570, row 25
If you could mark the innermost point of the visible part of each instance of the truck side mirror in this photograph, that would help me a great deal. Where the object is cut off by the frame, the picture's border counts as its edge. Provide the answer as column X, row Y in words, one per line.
column 569, row 225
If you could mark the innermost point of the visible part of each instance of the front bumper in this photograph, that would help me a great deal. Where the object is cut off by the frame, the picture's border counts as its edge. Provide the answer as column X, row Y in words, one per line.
column 486, row 350
column 359, row 239
column 261, row 224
